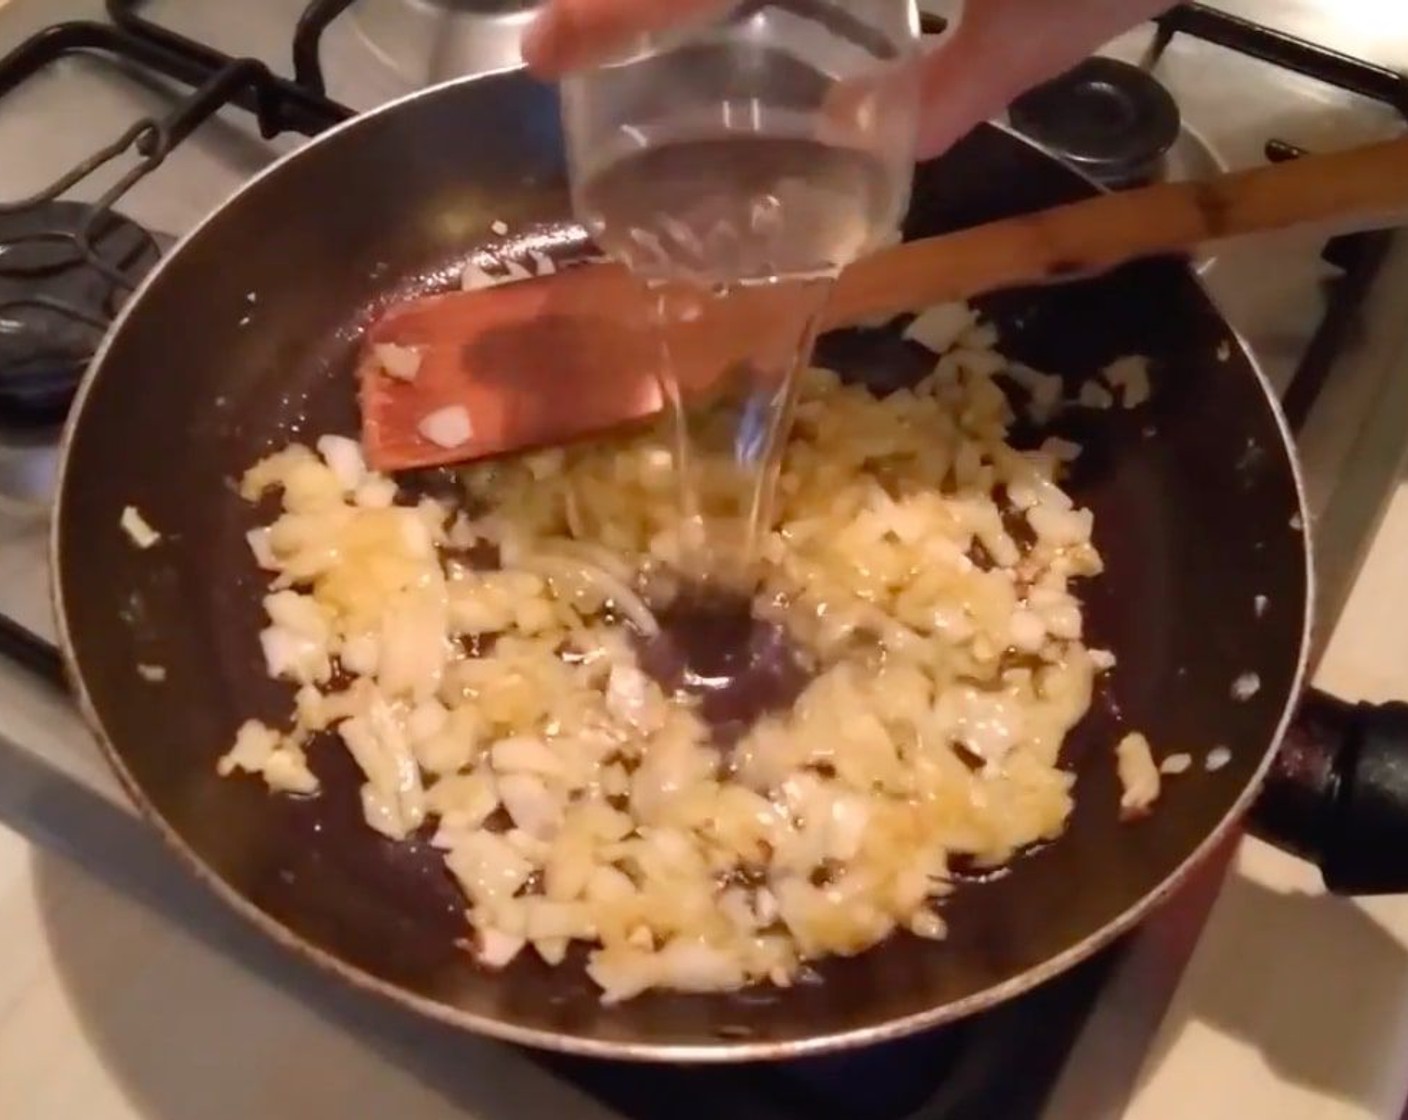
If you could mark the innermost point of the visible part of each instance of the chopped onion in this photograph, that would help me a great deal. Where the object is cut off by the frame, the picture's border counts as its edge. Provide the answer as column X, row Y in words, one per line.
column 939, row 328
column 617, row 593
column 553, row 950
column 426, row 720
column 990, row 724
column 534, row 808
column 1102, row 659
column 574, row 799
column 394, row 796
column 489, row 868
column 1045, row 390
column 1139, row 775
column 691, row 965
column 292, row 656
column 344, row 458
column 1061, row 528
column 1129, row 377
column 401, row 362
column 548, row 920
column 360, row 654
column 629, row 695
column 623, row 972
column 599, row 556
column 137, row 528
column 1094, row 395
column 258, row 540
column 572, row 509
column 414, row 645
column 525, row 755
column 1062, row 450
column 1245, row 687
column 846, row 828
column 377, row 492
column 448, row 427
column 262, row 750
column 287, row 771
column 254, row 743
column 1028, row 631
column 496, row 949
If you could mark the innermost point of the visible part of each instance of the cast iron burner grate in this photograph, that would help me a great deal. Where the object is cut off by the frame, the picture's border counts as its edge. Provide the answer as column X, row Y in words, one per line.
column 1116, row 122
column 962, row 1072
column 66, row 266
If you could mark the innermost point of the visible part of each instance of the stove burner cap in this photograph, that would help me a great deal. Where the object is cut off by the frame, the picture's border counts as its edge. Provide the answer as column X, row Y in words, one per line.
column 55, row 304
column 1111, row 119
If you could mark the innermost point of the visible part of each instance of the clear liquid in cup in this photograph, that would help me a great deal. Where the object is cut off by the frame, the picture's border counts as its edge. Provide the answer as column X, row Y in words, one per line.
column 720, row 208
column 716, row 215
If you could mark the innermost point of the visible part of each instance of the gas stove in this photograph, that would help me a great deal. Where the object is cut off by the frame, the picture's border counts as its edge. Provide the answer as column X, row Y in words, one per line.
column 124, row 123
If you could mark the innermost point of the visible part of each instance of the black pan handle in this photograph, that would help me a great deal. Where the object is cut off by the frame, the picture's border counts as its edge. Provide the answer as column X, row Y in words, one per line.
column 1337, row 794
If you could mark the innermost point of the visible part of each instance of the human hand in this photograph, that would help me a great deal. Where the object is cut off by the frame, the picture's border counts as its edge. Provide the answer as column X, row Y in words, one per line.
column 1000, row 49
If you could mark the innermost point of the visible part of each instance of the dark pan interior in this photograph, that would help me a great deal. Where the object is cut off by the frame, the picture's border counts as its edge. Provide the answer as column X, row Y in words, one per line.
column 241, row 344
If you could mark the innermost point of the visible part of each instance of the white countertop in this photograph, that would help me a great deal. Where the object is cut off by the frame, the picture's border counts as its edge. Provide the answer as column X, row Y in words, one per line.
column 109, row 1012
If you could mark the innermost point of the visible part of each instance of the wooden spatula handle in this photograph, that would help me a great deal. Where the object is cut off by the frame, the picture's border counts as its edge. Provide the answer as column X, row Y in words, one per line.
column 569, row 356
column 1102, row 232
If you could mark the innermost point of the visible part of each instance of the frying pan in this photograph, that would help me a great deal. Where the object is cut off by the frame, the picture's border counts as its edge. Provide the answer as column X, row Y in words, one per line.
column 243, row 340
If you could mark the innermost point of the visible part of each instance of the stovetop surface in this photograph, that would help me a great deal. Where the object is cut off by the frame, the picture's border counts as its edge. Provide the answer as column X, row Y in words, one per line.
column 1274, row 294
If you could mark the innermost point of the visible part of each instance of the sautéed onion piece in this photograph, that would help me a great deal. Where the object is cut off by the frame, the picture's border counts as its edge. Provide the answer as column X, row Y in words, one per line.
column 482, row 661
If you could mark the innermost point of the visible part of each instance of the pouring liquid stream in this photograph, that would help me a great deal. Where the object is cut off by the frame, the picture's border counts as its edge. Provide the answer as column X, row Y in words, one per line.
column 767, row 222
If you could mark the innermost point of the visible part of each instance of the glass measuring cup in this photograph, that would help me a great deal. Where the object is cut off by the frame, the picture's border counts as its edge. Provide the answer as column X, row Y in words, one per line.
column 751, row 158
column 777, row 140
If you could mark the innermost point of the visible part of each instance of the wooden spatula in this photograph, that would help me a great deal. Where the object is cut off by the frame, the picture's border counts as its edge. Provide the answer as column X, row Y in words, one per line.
column 454, row 377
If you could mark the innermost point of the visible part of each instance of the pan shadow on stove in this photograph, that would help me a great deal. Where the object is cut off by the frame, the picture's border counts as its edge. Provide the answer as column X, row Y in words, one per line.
column 1291, row 969
column 193, row 1014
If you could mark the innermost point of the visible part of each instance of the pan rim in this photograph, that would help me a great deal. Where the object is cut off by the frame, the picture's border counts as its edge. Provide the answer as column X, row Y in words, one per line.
column 723, row 1051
